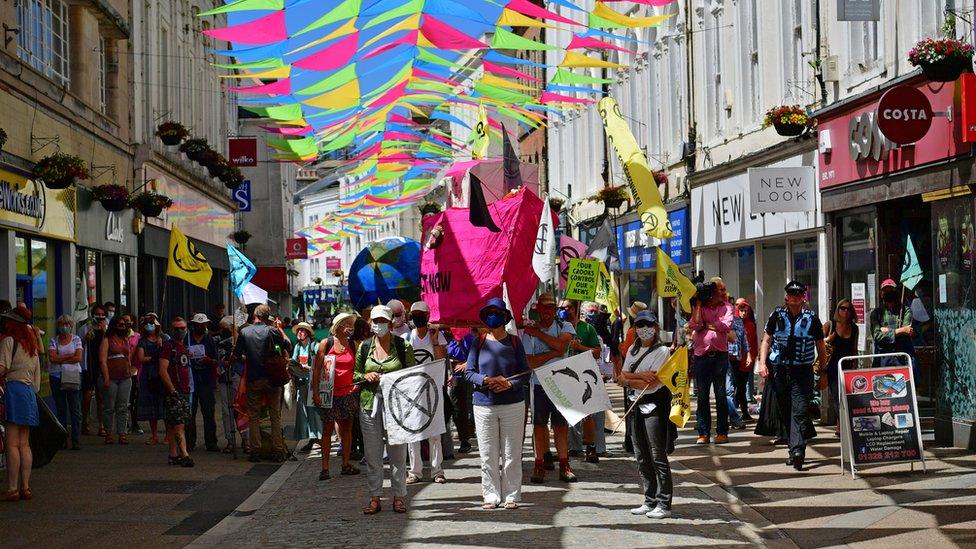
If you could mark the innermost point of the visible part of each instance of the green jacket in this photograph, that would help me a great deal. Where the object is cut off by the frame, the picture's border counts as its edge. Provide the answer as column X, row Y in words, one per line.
column 402, row 357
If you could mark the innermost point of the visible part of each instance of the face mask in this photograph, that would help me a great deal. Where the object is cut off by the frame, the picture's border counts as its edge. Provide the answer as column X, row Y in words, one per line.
column 109, row 316
column 64, row 330
column 381, row 329
column 563, row 314
column 199, row 330
column 420, row 321
column 179, row 333
column 150, row 328
column 646, row 333
column 494, row 320
column 591, row 318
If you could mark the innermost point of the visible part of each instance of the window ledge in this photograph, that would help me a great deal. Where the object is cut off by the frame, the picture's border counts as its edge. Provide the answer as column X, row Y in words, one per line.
column 110, row 20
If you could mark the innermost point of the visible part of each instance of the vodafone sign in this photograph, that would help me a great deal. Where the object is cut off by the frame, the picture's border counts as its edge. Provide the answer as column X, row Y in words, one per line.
column 904, row 115
column 296, row 248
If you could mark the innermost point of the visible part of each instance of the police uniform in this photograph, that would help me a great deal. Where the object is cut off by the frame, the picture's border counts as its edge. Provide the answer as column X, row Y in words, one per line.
column 791, row 357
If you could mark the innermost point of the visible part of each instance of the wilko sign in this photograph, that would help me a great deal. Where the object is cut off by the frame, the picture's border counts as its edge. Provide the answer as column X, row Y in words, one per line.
column 296, row 248
column 904, row 115
column 243, row 152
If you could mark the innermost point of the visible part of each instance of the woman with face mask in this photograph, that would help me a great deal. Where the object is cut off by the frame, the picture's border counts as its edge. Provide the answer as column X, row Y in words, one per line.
column 307, row 424
column 381, row 354
column 151, row 405
column 649, row 422
column 497, row 369
column 345, row 400
column 64, row 358
column 116, row 380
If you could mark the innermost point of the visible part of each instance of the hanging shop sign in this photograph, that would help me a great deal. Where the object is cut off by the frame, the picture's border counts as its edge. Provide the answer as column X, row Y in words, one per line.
column 242, row 152
column 858, row 10
column 333, row 263
column 242, row 195
column 780, row 190
column 28, row 205
column 296, row 248
column 904, row 114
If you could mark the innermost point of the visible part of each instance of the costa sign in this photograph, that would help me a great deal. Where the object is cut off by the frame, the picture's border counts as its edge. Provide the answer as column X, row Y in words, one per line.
column 904, row 115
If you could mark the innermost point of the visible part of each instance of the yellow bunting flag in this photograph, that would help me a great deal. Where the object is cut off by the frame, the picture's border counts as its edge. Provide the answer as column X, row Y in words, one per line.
column 672, row 283
column 479, row 143
column 674, row 375
column 643, row 188
column 186, row 262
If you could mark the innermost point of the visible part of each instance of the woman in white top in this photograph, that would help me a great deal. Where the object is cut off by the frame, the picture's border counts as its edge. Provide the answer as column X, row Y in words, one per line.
column 64, row 357
column 649, row 416
column 428, row 345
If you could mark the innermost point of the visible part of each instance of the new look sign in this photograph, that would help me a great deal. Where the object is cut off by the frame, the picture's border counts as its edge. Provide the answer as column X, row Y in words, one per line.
column 780, row 190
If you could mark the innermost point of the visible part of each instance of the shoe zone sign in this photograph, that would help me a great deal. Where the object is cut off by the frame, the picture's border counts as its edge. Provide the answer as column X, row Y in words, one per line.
column 781, row 190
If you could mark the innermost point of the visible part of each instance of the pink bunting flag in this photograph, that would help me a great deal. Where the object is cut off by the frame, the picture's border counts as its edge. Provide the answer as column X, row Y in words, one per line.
column 499, row 69
column 263, row 30
column 549, row 97
column 281, row 87
column 584, row 42
column 283, row 130
column 333, row 57
column 396, row 92
column 447, row 37
column 528, row 8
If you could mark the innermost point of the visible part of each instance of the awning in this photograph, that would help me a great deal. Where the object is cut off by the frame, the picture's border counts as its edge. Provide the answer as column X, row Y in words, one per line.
column 271, row 279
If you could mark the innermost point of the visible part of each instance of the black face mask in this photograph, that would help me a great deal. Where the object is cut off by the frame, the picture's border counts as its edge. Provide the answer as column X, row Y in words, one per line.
column 199, row 330
column 420, row 321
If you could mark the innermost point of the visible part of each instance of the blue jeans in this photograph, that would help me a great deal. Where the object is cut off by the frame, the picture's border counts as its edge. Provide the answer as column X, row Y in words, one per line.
column 599, row 435
column 68, row 404
column 710, row 372
column 734, row 417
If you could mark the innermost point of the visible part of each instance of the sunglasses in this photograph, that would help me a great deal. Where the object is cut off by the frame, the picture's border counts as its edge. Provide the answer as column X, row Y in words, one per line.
column 845, row 308
column 99, row 318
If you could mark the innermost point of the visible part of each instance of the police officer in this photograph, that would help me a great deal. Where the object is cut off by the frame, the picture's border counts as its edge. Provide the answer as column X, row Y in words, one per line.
column 792, row 345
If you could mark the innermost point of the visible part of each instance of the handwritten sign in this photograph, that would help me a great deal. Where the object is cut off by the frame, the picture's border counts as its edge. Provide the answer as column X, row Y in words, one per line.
column 582, row 279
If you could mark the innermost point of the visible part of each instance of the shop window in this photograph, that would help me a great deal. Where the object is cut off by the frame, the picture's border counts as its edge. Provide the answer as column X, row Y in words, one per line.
column 738, row 268
column 125, row 291
column 774, row 263
column 43, row 38
column 857, row 255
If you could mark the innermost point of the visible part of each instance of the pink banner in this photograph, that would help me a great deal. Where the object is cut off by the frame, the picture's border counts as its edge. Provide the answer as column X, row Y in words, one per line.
column 569, row 248
column 470, row 263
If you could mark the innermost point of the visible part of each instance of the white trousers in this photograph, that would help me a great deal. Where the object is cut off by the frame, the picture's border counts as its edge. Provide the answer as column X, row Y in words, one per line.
column 499, row 430
column 436, row 458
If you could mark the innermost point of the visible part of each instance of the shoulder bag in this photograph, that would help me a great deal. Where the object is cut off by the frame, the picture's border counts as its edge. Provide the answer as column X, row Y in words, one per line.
column 275, row 364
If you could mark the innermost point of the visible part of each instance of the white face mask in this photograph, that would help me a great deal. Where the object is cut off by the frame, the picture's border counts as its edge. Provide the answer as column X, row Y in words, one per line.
column 381, row 329
column 646, row 333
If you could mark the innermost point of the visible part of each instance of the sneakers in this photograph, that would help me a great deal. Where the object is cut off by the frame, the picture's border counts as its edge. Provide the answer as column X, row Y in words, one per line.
column 464, row 448
column 721, row 439
column 567, row 475
column 741, row 426
column 659, row 512
column 642, row 510
column 702, row 439
column 412, row 479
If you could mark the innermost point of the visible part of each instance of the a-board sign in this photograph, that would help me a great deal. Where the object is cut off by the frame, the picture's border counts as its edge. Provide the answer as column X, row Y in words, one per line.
column 880, row 413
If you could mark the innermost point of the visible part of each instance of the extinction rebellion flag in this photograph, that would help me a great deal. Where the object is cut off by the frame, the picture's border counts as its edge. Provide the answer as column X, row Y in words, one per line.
column 186, row 262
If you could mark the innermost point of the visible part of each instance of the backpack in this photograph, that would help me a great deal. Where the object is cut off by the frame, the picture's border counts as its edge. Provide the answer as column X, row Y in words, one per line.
column 366, row 347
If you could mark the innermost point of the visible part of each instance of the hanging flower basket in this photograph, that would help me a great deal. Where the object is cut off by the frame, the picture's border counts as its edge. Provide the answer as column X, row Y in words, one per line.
column 150, row 204
column 113, row 198
column 612, row 197
column 232, row 178
column 661, row 178
column 172, row 133
column 429, row 208
column 241, row 237
column 788, row 120
column 194, row 149
column 60, row 171
column 942, row 59
column 215, row 162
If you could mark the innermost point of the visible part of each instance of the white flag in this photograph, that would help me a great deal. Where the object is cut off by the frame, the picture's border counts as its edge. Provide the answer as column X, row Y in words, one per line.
column 253, row 294
column 511, row 327
column 413, row 403
column 575, row 386
column 545, row 243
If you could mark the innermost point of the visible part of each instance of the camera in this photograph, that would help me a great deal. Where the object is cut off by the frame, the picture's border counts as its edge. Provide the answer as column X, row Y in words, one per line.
column 704, row 291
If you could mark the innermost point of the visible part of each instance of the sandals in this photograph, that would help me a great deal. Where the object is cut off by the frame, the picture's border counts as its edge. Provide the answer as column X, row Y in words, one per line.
column 324, row 474
column 511, row 505
column 26, row 494
column 12, row 495
column 373, row 507
column 349, row 469
column 123, row 440
column 152, row 441
column 109, row 439
column 399, row 506
column 489, row 506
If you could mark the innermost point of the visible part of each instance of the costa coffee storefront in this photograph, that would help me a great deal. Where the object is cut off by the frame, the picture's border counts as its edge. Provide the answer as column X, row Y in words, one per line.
column 895, row 164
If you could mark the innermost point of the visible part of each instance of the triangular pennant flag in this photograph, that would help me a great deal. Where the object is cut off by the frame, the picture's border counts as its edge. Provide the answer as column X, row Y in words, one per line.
column 604, row 247
column 545, row 243
column 911, row 270
column 478, row 207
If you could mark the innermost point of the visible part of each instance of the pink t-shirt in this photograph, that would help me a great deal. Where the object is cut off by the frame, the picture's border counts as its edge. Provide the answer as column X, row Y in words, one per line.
column 717, row 340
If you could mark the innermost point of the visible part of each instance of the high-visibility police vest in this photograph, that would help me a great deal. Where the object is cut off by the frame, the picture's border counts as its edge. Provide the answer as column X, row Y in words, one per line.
column 793, row 343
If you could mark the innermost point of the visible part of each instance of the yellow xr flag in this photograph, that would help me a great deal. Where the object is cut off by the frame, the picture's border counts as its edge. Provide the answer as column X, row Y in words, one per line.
column 186, row 262
column 606, row 290
column 643, row 188
column 479, row 139
column 674, row 375
column 672, row 283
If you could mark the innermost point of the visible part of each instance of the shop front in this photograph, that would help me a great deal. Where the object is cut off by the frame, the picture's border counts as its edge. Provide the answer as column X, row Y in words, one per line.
column 756, row 254
column 106, row 258
column 878, row 194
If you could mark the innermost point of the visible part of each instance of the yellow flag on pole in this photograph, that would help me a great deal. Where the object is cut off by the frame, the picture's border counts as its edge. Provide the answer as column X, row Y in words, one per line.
column 186, row 262
column 674, row 375
column 643, row 188
column 479, row 140
column 606, row 289
column 672, row 283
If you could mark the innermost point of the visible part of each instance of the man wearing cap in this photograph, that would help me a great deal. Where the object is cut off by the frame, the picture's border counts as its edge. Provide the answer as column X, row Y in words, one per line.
column 792, row 345
column 545, row 342
column 710, row 324
column 428, row 346
column 203, row 362
column 891, row 327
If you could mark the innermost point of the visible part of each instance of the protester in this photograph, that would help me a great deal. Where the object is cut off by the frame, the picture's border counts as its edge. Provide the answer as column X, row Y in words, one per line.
column 743, row 309
column 308, row 425
column 711, row 323
column 151, row 405
column 91, row 384
column 587, row 340
column 649, row 416
column 133, row 339
column 546, row 342
column 793, row 336
column 399, row 326
column 345, row 400
column 383, row 353
column 203, row 361
column 176, row 375
column 20, row 367
column 497, row 368
column 461, row 390
column 842, row 337
column 428, row 345
column 113, row 356
column 891, row 328
column 229, row 371
column 739, row 354
column 64, row 358
column 252, row 345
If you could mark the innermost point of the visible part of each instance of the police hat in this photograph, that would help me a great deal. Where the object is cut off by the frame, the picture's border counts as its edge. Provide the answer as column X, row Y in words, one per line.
column 796, row 286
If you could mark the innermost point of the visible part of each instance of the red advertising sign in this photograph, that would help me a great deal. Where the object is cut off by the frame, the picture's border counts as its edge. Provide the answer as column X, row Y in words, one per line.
column 904, row 114
column 333, row 263
column 296, row 248
column 880, row 413
column 859, row 150
column 242, row 151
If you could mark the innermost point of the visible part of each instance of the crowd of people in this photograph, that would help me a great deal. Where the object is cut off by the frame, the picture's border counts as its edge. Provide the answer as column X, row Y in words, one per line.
column 141, row 373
